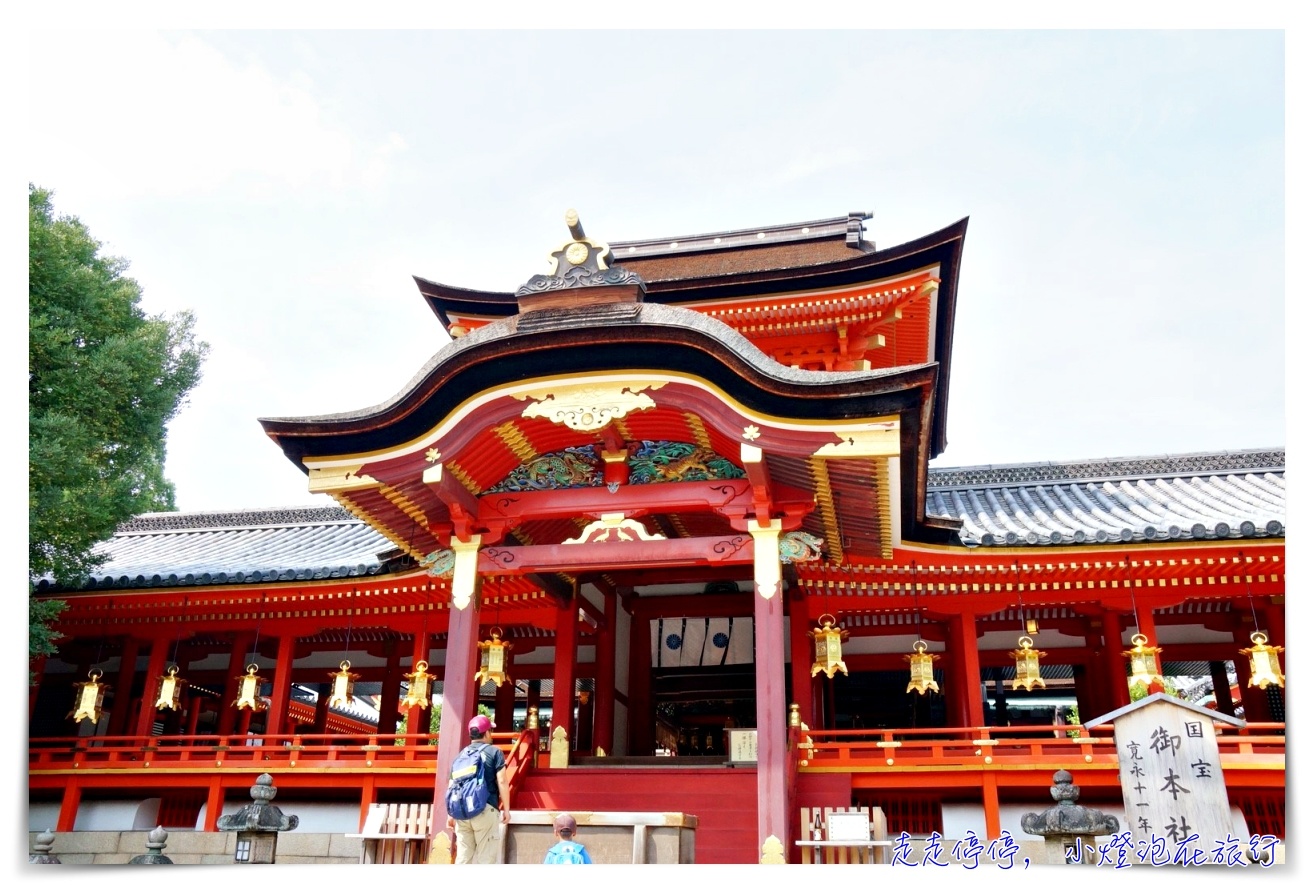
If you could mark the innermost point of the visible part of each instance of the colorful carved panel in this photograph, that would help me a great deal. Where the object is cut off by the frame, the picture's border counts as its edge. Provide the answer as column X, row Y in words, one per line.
column 650, row 462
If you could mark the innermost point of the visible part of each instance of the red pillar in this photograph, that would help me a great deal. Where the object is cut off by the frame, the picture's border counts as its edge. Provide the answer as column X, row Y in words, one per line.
column 801, row 651
column 68, row 806
column 1118, row 694
column 237, row 661
column 154, row 670
column 415, row 724
column 390, row 692
column 120, row 716
column 563, row 671
column 643, row 734
column 214, row 803
column 281, row 692
column 967, row 704
column 459, row 696
column 772, row 718
column 504, row 707
column 604, row 684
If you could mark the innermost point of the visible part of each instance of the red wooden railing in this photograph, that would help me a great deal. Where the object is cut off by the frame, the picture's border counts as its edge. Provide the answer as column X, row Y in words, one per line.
column 877, row 749
column 830, row 749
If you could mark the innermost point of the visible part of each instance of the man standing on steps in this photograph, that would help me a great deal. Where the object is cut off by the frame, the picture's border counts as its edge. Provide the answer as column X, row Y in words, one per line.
column 477, row 838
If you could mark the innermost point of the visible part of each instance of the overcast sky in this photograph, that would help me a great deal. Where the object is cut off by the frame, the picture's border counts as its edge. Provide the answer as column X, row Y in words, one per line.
column 1122, row 284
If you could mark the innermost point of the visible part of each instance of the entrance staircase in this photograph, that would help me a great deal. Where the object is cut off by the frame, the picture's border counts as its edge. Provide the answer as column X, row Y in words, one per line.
column 723, row 798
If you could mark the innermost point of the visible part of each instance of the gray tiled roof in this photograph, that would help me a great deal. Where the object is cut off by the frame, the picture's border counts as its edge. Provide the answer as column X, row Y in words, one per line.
column 1197, row 496
column 1165, row 498
column 176, row 549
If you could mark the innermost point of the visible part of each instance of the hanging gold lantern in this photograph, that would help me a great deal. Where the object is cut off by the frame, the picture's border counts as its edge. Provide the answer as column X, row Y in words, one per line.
column 169, row 690
column 248, row 690
column 494, row 659
column 1264, row 667
column 417, row 691
column 1144, row 662
column 344, row 682
column 89, row 697
column 829, row 655
column 1028, row 664
column 920, row 669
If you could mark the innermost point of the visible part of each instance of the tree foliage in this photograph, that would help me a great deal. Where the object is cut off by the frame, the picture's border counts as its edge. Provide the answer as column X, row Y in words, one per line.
column 103, row 381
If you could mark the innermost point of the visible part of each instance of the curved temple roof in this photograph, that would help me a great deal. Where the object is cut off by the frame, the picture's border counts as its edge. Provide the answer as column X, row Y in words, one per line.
column 1173, row 498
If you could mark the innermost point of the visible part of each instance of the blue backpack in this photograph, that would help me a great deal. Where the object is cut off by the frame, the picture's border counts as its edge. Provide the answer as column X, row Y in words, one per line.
column 467, row 789
column 564, row 854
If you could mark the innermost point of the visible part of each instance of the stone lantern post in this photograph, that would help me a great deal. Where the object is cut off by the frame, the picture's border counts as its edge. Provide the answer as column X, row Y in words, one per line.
column 258, row 824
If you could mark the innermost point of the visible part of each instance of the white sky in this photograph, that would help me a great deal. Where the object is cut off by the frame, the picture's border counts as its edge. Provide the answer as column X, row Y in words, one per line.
column 1122, row 285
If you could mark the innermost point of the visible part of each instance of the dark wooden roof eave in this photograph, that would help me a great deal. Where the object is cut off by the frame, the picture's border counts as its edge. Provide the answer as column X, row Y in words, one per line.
column 876, row 264
column 477, row 363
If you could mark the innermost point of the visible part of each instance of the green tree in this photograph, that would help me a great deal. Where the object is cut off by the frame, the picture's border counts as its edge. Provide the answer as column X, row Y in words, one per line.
column 103, row 382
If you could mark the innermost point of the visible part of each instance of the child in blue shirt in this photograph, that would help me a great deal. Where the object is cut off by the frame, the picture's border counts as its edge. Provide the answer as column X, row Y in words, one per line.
column 566, row 851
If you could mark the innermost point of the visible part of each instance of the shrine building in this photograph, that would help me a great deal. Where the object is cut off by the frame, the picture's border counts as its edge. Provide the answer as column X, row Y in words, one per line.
column 667, row 513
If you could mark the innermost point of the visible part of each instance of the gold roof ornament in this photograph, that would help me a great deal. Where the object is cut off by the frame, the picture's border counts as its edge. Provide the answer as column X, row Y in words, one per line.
column 248, row 690
column 829, row 654
column 169, row 690
column 89, row 697
column 1264, row 667
column 920, row 669
column 418, row 688
column 1028, row 664
column 1144, row 662
column 344, row 684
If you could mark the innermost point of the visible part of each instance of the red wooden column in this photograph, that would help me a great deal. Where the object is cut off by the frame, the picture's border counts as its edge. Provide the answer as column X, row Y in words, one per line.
column 214, row 802
column 119, row 716
column 236, row 668
column 281, row 692
column 419, row 652
column 772, row 712
column 563, row 670
column 967, row 704
column 390, row 692
column 504, row 707
column 68, row 806
column 459, row 696
column 643, row 735
column 801, row 651
column 154, row 670
column 604, row 684
column 1118, row 695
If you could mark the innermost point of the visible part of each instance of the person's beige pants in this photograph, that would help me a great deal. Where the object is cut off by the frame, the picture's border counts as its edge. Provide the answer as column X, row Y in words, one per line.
column 477, row 840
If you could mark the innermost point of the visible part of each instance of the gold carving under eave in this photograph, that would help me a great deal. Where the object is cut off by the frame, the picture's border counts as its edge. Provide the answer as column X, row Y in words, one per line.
column 588, row 407
column 879, row 440
column 881, row 475
column 826, row 508
column 329, row 480
column 613, row 528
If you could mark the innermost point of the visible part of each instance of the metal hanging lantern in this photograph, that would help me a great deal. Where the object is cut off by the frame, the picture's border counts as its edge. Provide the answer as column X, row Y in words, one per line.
column 89, row 697
column 829, row 654
column 1264, row 667
column 1028, row 665
column 1144, row 662
column 418, row 687
column 921, row 673
column 494, row 659
column 169, row 690
column 344, row 683
column 248, row 690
